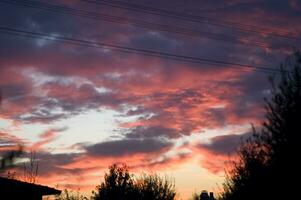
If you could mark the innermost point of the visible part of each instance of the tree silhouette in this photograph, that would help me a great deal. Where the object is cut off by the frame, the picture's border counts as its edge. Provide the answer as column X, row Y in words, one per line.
column 69, row 195
column 30, row 169
column 119, row 184
column 154, row 187
column 269, row 160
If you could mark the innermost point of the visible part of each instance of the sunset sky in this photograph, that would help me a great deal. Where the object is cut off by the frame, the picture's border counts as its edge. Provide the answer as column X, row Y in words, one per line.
column 179, row 86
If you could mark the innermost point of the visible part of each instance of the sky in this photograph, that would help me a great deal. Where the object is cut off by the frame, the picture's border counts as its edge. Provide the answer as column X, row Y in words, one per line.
column 168, row 87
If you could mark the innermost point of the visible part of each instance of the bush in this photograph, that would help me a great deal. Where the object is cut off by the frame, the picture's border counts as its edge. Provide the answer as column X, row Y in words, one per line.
column 119, row 184
column 69, row 195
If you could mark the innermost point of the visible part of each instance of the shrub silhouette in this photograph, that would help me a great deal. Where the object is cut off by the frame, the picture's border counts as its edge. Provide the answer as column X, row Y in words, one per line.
column 153, row 187
column 119, row 184
column 269, row 160
column 69, row 195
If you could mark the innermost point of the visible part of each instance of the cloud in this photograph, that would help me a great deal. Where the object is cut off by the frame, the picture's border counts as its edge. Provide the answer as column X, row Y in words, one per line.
column 53, row 164
column 127, row 147
column 223, row 149
column 51, row 132
column 225, row 144
column 152, row 132
column 155, row 40
column 47, row 137
column 9, row 142
column 295, row 4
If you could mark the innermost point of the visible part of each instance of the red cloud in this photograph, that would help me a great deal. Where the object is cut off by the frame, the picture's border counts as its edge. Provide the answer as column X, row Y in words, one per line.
column 46, row 138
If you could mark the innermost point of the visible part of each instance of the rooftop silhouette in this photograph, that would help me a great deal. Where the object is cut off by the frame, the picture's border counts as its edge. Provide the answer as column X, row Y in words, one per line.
column 15, row 190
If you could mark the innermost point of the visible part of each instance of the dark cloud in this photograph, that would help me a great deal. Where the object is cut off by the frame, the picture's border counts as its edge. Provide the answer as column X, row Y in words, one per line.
column 127, row 147
column 153, row 40
column 54, row 163
column 9, row 142
column 167, row 160
column 45, row 117
column 61, row 102
column 249, row 101
column 14, row 91
column 61, row 59
column 152, row 132
column 139, row 110
column 225, row 144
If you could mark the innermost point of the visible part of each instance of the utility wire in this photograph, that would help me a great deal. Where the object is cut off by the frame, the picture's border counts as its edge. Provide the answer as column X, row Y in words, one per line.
column 193, row 18
column 126, row 49
column 142, row 7
column 139, row 23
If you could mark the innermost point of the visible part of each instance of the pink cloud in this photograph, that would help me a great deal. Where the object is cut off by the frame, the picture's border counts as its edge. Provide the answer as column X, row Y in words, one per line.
column 46, row 138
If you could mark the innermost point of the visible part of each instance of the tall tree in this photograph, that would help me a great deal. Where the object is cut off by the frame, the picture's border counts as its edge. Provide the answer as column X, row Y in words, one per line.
column 270, row 160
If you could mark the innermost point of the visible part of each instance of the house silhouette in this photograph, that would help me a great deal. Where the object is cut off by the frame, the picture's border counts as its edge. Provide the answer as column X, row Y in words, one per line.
column 15, row 190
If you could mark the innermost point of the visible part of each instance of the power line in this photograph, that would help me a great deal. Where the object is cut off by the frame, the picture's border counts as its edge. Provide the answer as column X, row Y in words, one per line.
column 187, row 17
column 139, row 6
column 139, row 23
column 126, row 49
column 192, row 18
